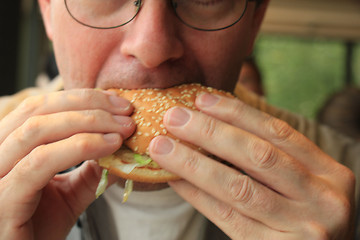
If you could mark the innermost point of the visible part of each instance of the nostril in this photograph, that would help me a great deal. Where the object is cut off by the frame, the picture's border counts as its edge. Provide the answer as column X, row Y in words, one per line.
column 153, row 51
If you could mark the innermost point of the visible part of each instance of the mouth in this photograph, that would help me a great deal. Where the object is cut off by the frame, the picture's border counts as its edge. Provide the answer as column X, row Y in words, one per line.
column 161, row 80
column 133, row 75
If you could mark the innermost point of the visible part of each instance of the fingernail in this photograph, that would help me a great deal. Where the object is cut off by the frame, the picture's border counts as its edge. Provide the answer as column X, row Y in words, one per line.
column 177, row 117
column 207, row 100
column 112, row 138
column 123, row 121
column 119, row 102
column 161, row 145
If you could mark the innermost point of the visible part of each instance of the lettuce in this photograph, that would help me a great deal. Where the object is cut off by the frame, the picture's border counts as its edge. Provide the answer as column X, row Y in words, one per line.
column 102, row 183
column 140, row 161
column 143, row 161
column 129, row 184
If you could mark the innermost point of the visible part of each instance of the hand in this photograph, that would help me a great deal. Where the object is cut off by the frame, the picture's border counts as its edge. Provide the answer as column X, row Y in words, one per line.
column 44, row 136
column 291, row 190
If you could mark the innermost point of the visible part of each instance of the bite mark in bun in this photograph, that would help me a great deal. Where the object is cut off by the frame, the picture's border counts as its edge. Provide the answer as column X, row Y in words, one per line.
column 132, row 161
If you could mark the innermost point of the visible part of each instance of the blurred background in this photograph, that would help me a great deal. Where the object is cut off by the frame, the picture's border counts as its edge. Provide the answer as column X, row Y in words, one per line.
column 307, row 50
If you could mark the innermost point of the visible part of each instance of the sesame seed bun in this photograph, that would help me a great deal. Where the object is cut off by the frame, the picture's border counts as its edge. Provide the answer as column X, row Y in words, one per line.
column 150, row 106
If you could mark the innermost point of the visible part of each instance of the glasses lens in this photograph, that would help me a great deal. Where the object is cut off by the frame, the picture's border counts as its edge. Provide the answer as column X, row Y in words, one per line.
column 210, row 14
column 103, row 13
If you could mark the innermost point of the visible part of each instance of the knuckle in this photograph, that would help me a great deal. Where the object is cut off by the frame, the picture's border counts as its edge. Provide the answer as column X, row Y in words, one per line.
column 349, row 178
column 83, row 143
column 191, row 162
column 239, row 108
column 76, row 96
column 210, row 128
column 341, row 207
column 86, row 95
column 90, row 116
column 315, row 231
column 95, row 117
column 31, row 125
column 224, row 212
column 36, row 159
column 241, row 189
column 263, row 154
column 195, row 194
column 30, row 106
column 28, row 130
column 279, row 130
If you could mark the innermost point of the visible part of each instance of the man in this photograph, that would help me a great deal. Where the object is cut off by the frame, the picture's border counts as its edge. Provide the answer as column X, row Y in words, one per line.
column 292, row 189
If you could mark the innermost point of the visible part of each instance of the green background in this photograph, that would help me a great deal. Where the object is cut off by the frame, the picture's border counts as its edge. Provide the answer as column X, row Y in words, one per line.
column 299, row 74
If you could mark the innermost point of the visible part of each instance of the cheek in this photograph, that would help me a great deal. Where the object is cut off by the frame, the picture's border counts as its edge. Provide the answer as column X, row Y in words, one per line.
column 79, row 59
column 220, row 55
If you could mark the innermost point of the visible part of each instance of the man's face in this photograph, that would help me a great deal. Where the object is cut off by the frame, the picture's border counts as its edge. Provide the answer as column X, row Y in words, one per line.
column 153, row 50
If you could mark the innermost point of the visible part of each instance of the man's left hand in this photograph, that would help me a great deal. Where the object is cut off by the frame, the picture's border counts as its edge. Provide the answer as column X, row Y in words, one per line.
column 280, row 185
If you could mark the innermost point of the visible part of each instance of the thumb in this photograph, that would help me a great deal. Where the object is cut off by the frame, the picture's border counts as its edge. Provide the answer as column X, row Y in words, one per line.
column 83, row 183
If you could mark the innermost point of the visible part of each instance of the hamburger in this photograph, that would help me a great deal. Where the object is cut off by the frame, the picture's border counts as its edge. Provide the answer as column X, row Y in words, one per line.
column 132, row 160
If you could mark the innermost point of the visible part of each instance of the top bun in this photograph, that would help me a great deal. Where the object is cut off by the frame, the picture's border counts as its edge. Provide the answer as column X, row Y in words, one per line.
column 151, row 105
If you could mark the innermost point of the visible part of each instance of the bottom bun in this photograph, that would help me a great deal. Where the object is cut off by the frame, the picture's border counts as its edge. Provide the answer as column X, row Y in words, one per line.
column 124, row 163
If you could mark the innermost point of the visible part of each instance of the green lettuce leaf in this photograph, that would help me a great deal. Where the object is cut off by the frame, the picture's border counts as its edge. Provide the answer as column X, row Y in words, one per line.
column 102, row 183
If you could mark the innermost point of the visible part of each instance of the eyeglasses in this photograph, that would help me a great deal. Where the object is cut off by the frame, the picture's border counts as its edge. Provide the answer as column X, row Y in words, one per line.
column 204, row 15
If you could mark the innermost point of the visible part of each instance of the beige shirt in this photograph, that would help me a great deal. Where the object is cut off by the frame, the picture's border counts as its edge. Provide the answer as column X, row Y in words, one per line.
column 154, row 215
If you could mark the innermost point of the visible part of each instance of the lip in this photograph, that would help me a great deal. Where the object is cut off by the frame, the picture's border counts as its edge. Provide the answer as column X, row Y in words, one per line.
column 128, row 72
column 161, row 79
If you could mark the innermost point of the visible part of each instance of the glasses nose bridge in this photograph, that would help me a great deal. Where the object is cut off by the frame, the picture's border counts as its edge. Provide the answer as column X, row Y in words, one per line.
column 140, row 4
column 164, row 7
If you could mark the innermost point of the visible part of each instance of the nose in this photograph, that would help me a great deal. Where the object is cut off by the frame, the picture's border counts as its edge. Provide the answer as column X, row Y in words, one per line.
column 151, row 37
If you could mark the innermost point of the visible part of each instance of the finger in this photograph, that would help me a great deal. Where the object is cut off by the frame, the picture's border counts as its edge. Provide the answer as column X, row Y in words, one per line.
column 34, row 172
column 233, row 223
column 44, row 129
column 80, row 185
column 224, row 183
column 255, row 156
column 274, row 130
column 72, row 100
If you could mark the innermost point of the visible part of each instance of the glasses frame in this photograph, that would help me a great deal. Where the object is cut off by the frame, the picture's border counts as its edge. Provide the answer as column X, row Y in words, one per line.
column 138, row 4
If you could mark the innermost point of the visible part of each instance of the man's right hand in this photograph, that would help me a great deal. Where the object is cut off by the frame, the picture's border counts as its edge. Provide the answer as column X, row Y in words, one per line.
column 46, row 135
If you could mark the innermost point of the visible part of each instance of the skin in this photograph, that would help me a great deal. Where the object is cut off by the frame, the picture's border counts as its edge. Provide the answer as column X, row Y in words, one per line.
column 250, row 78
column 293, row 191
